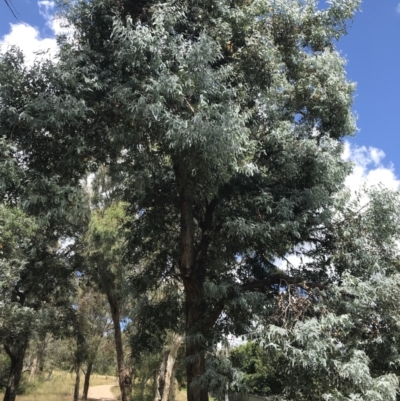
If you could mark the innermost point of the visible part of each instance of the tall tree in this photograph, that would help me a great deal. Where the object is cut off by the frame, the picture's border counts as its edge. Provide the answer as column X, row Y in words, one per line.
column 223, row 122
column 92, row 327
column 35, row 286
column 16, row 319
column 36, row 266
column 104, row 250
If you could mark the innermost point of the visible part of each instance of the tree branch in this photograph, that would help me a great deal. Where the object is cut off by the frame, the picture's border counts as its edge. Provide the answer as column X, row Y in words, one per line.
column 281, row 279
column 206, row 228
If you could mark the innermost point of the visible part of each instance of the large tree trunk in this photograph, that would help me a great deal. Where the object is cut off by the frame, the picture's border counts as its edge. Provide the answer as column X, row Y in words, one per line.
column 165, row 374
column 193, row 271
column 17, row 363
column 87, row 381
column 195, row 363
column 124, row 373
column 77, row 381
column 200, row 317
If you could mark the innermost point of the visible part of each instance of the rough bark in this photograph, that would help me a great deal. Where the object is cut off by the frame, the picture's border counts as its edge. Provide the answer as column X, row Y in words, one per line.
column 192, row 265
column 77, row 381
column 165, row 374
column 87, row 381
column 124, row 373
column 17, row 363
column 195, row 365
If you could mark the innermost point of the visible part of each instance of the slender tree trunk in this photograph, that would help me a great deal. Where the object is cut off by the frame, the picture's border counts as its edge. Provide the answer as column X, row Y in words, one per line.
column 143, row 383
column 124, row 373
column 41, row 353
column 17, row 363
column 33, row 368
column 164, row 391
column 87, row 381
column 172, row 392
column 160, row 377
column 77, row 381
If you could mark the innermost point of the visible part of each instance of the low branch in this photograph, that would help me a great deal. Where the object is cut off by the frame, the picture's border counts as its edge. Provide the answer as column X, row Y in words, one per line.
column 282, row 280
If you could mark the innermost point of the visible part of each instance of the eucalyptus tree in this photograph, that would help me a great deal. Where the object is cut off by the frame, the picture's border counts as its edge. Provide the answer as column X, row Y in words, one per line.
column 236, row 111
column 16, row 232
column 342, row 341
column 222, row 120
column 103, row 250
column 92, row 328
column 36, row 267
column 165, row 376
column 35, row 287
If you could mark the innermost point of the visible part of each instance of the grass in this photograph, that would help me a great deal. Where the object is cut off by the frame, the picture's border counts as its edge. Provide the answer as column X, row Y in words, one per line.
column 59, row 388
column 181, row 395
column 147, row 394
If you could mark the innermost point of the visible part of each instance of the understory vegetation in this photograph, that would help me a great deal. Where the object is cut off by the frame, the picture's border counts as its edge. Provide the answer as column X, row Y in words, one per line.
column 60, row 387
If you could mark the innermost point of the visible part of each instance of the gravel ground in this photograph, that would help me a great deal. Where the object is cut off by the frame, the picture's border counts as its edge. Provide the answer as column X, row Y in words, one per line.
column 101, row 393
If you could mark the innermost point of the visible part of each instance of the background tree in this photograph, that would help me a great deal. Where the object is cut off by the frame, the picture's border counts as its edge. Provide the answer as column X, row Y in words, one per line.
column 93, row 326
column 35, row 287
column 16, row 233
column 334, row 342
column 104, row 249
column 36, row 267
column 165, row 377
column 259, row 368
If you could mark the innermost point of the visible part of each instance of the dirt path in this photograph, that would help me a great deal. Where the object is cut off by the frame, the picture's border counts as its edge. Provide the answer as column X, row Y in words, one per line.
column 101, row 393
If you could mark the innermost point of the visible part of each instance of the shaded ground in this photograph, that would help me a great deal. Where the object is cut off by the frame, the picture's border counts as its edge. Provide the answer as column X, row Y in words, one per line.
column 101, row 393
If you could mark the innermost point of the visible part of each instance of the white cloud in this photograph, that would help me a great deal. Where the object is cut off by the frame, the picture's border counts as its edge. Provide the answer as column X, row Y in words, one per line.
column 57, row 24
column 29, row 40
column 368, row 168
column 398, row 8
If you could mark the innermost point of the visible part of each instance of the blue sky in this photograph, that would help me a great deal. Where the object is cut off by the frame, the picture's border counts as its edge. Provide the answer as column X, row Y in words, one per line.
column 372, row 48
